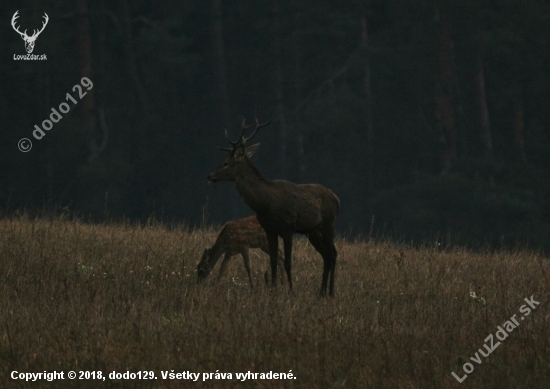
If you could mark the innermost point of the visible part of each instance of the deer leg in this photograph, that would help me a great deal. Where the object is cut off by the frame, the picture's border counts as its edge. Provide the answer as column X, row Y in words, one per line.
column 282, row 264
column 246, row 259
column 316, row 240
column 332, row 270
column 273, row 241
column 287, row 241
column 332, row 262
column 265, row 249
column 223, row 268
column 326, row 273
column 328, row 239
column 281, row 275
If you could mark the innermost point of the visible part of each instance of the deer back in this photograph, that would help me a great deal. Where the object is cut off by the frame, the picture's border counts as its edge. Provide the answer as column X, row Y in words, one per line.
column 241, row 234
column 293, row 207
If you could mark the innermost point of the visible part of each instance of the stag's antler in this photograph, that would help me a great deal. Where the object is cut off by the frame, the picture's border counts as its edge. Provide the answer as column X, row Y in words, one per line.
column 257, row 125
column 15, row 16
column 244, row 127
column 36, row 32
column 243, row 139
column 44, row 23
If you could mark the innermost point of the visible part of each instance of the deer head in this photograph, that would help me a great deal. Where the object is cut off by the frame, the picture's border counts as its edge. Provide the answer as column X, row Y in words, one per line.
column 29, row 40
column 205, row 266
column 238, row 154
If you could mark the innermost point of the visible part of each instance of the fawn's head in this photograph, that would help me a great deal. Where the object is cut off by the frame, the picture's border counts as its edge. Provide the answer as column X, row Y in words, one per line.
column 205, row 266
column 238, row 154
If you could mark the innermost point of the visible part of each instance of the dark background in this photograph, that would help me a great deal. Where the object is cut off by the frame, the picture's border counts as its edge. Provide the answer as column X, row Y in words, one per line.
column 429, row 119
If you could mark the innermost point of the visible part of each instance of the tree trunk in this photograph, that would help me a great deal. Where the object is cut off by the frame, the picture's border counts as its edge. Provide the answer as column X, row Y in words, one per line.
column 133, row 71
column 518, row 123
column 219, row 52
column 86, row 70
column 368, row 103
column 102, row 72
column 46, row 93
column 281, row 116
column 485, row 125
column 232, row 197
column 481, row 100
column 447, row 137
column 299, row 131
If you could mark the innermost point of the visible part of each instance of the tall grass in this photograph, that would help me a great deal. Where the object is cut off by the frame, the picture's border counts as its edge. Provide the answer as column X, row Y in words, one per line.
column 121, row 297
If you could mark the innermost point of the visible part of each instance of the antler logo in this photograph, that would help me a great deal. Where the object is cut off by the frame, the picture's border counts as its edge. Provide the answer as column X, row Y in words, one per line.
column 29, row 40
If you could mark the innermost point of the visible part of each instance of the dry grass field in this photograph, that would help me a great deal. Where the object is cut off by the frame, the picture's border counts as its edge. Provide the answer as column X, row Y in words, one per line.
column 115, row 297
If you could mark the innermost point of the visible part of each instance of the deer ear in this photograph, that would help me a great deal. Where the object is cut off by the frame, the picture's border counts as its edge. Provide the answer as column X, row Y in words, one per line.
column 251, row 150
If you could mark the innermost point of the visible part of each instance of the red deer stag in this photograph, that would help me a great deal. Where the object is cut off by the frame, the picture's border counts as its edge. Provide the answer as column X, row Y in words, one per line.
column 235, row 237
column 283, row 208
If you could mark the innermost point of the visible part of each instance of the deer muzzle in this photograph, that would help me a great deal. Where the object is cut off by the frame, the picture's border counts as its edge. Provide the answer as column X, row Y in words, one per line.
column 201, row 275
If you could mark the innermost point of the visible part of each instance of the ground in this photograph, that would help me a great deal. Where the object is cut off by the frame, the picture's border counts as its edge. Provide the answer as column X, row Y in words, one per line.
column 124, row 298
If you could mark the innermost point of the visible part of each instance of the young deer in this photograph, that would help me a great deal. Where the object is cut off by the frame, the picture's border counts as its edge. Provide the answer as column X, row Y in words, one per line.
column 235, row 237
column 283, row 208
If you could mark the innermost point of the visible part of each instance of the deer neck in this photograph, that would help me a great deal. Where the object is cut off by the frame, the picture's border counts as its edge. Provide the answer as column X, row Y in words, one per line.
column 253, row 187
column 216, row 252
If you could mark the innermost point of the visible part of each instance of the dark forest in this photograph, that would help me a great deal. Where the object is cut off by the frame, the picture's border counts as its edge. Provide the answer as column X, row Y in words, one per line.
column 429, row 119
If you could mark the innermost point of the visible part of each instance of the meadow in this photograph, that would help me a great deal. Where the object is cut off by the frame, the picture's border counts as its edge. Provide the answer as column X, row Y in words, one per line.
column 120, row 297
